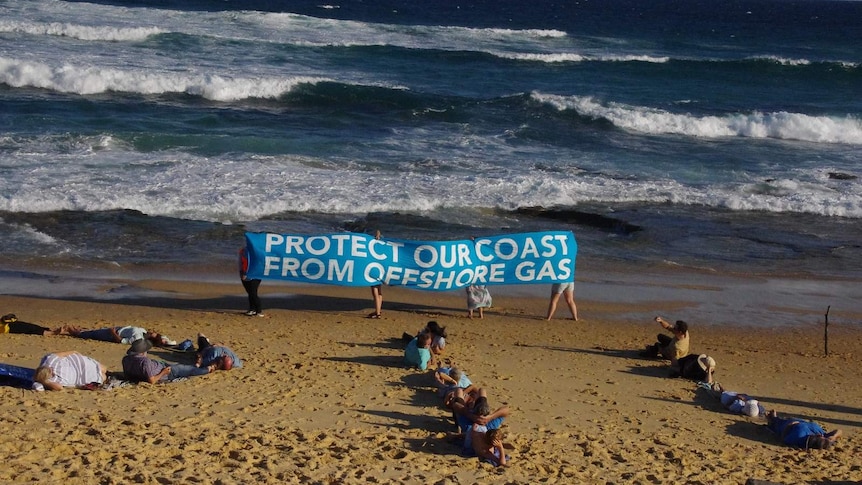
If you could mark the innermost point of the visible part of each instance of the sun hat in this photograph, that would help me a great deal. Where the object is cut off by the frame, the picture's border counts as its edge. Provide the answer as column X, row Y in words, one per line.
column 140, row 346
column 751, row 408
column 706, row 362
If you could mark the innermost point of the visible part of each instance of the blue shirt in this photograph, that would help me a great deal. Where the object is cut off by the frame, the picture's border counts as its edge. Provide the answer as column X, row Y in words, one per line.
column 415, row 356
column 213, row 353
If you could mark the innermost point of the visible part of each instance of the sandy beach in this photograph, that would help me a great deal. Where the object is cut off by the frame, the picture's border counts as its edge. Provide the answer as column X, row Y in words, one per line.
column 324, row 398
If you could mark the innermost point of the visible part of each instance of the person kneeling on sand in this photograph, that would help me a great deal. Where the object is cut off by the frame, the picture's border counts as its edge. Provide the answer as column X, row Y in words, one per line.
column 137, row 366
column 673, row 348
column 68, row 369
column 801, row 433
column 218, row 355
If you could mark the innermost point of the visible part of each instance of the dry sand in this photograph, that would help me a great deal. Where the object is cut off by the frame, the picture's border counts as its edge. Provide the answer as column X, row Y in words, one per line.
column 323, row 397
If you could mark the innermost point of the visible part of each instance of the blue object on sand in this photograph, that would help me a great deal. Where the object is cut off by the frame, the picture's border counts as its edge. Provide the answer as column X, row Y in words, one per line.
column 13, row 375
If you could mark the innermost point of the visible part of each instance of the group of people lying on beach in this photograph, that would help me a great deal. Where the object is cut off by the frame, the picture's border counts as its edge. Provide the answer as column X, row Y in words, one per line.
column 478, row 428
column 71, row 369
column 795, row 432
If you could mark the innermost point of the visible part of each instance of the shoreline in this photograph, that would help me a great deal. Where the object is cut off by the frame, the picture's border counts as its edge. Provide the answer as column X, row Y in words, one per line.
column 711, row 297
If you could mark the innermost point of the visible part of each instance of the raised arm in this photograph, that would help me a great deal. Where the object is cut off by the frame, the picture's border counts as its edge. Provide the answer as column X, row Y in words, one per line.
column 501, row 412
column 664, row 323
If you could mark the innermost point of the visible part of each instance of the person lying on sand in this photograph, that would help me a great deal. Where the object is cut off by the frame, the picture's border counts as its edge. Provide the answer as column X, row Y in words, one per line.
column 447, row 379
column 735, row 402
column 219, row 355
column 488, row 444
column 68, row 369
column 120, row 335
column 479, row 412
column 801, row 433
column 137, row 366
column 9, row 323
column 695, row 367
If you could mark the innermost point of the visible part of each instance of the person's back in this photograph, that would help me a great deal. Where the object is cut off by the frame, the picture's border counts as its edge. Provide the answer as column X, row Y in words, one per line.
column 417, row 353
column 211, row 355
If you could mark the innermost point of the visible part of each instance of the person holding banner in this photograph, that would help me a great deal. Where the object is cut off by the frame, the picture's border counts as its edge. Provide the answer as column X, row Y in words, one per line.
column 377, row 290
column 567, row 289
column 251, row 285
column 478, row 298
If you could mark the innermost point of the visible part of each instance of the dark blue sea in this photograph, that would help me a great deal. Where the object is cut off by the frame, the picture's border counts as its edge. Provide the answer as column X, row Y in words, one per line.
column 724, row 137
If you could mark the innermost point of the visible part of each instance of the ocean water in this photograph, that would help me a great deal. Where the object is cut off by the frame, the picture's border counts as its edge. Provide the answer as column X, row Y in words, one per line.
column 725, row 137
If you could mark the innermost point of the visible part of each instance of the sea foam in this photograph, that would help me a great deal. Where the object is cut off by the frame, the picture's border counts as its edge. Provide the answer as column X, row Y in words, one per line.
column 755, row 124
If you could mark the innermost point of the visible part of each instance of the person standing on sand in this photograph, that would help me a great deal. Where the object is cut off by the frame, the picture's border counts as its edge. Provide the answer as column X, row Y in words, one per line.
column 377, row 290
column 251, row 285
column 567, row 289
column 478, row 298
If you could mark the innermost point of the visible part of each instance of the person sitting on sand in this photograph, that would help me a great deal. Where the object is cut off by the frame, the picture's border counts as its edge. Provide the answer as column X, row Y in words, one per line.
column 68, row 369
column 120, row 335
column 673, row 348
column 137, row 366
column 418, row 354
column 438, row 339
column 9, row 323
column 695, row 367
column 800, row 433
column 216, row 354
column 488, row 444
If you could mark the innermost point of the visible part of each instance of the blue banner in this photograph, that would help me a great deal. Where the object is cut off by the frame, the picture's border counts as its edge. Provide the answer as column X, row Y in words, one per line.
column 352, row 259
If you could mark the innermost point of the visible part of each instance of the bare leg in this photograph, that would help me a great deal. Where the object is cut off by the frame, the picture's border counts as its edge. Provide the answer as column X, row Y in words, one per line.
column 377, row 296
column 552, row 306
column 570, row 300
